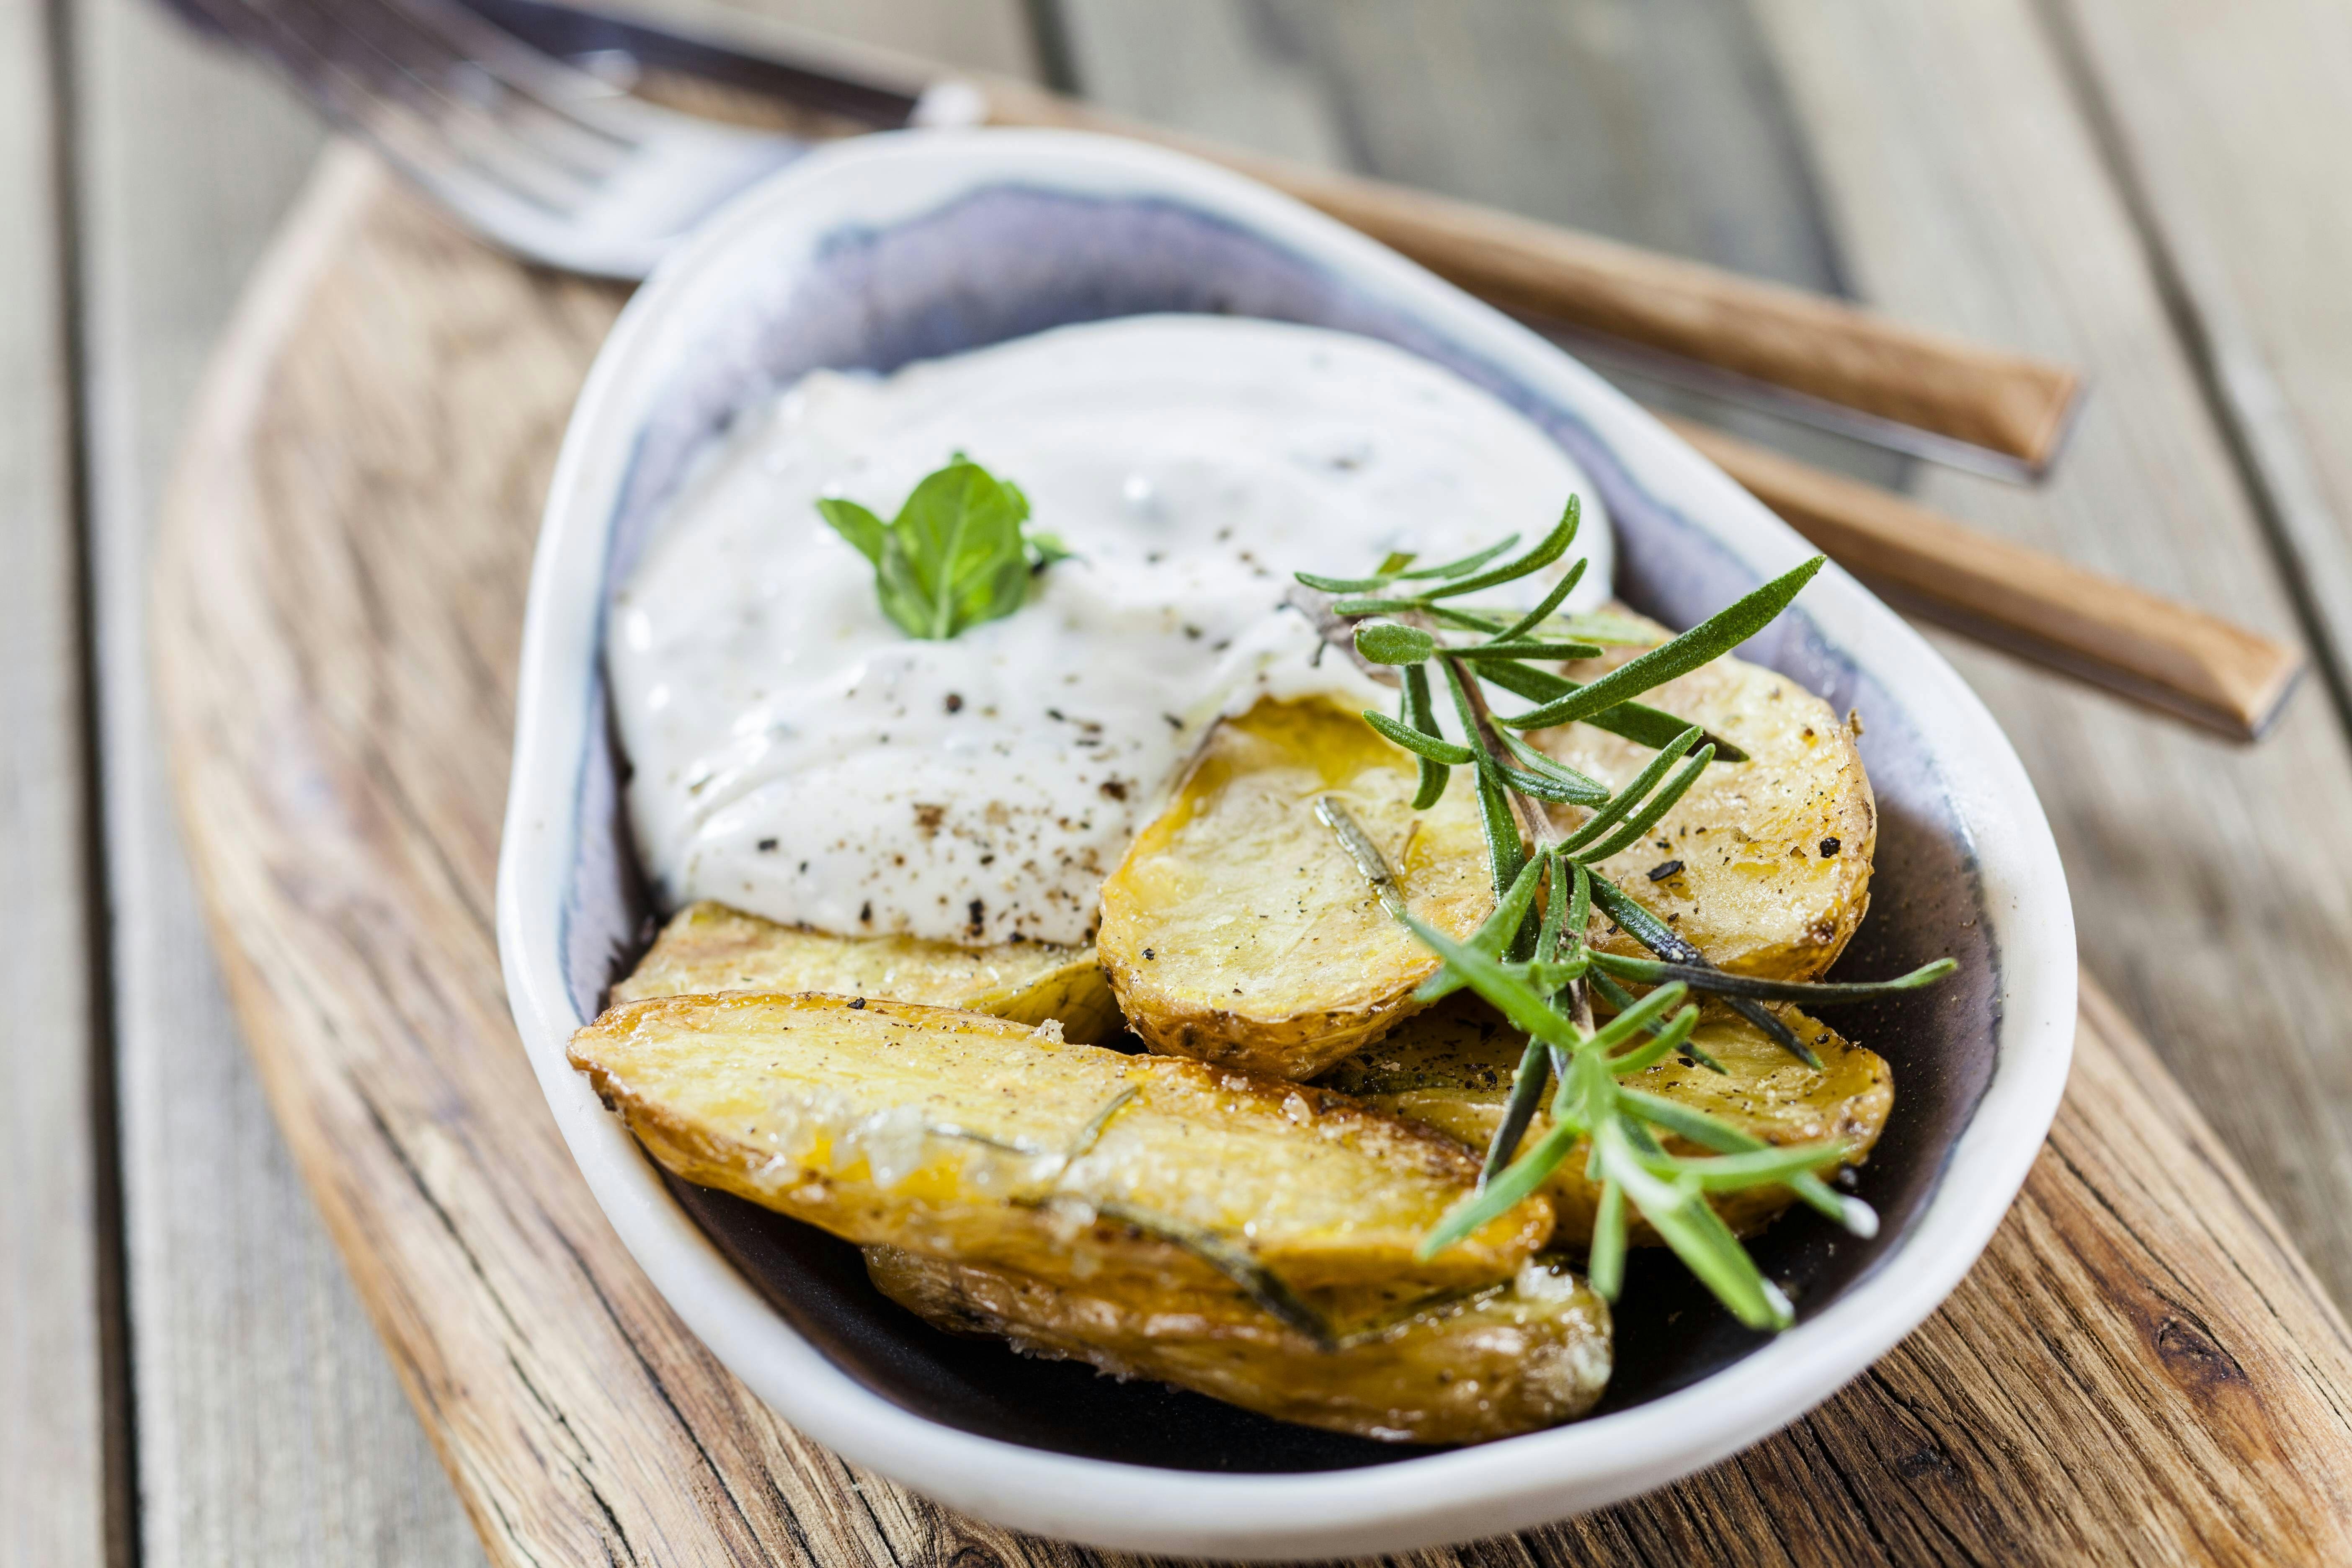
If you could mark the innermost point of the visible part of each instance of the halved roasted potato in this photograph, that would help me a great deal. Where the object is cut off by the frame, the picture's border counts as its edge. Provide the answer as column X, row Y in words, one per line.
column 709, row 948
column 1236, row 930
column 1764, row 866
column 969, row 1137
column 1451, row 1069
column 1512, row 1358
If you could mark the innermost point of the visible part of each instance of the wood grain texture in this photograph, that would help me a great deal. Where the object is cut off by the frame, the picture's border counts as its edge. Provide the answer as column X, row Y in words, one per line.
column 337, row 608
column 53, row 1496
column 1660, row 127
column 269, row 1429
column 2173, row 657
column 2225, row 120
column 1965, row 191
column 2004, row 402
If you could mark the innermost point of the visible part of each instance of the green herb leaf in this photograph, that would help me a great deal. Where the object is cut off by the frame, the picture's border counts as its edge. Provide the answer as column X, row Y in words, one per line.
column 1709, row 640
column 1431, row 747
column 1470, row 562
column 1343, row 584
column 1628, row 799
column 1605, row 1265
column 1483, row 652
column 1760, row 1167
column 1549, row 787
column 1590, row 791
column 1639, row 1017
column 1505, row 1193
column 1651, row 810
column 1413, row 707
column 1491, row 978
column 1551, row 601
column 1657, row 936
column 1385, row 642
column 1668, row 1039
column 1527, row 1093
column 1814, row 994
column 1619, row 998
column 957, row 554
column 1636, row 721
column 1552, row 547
column 868, row 532
column 1684, row 1221
column 1705, row 1130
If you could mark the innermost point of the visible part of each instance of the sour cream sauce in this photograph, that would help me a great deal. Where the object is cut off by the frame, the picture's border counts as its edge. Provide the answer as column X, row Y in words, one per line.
column 795, row 755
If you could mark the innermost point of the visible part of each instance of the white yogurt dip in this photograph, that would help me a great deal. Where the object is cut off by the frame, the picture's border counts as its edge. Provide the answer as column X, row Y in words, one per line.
column 796, row 756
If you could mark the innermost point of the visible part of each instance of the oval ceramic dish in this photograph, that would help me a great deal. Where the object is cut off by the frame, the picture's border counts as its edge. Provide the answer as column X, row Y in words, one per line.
column 908, row 247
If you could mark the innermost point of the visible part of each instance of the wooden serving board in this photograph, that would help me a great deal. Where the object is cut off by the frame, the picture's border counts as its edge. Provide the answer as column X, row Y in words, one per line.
column 2140, row 1370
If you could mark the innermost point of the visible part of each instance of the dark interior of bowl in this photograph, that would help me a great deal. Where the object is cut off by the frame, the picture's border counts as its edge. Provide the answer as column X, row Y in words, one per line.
column 1006, row 261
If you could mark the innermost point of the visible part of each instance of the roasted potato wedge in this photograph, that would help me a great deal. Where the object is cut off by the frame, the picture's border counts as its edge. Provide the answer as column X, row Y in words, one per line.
column 709, row 948
column 1765, row 865
column 973, row 1138
column 1451, row 1067
column 1237, row 930
column 1514, row 1358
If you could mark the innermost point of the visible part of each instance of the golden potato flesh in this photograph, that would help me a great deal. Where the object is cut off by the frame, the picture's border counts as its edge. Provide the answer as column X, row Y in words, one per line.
column 1236, row 930
column 1451, row 1069
column 972, row 1138
column 1764, row 866
column 1510, row 1359
column 709, row 948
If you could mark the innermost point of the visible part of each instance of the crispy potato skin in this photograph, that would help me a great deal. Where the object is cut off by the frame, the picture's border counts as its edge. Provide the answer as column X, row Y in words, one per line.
column 968, row 1137
column 1451, row 1067
column 1237, row 930
column 708, row 947
column 1469, row 1370
column 1756, row 893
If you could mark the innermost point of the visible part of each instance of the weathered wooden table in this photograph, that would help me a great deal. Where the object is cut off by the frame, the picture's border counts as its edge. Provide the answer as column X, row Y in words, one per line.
column 2153, row 189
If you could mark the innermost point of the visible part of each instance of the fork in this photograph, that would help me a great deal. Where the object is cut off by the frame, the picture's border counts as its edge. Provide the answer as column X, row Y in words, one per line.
column 547, row 160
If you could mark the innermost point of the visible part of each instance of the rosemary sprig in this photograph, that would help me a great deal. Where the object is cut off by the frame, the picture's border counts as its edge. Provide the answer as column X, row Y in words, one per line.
column 1812, row 994
column 1536, row 969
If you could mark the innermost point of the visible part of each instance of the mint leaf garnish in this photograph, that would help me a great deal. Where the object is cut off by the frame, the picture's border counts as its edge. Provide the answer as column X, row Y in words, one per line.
column 956, row 554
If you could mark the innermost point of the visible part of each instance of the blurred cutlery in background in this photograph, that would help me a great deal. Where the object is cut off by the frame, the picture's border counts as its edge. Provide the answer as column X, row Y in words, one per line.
column 516, row 115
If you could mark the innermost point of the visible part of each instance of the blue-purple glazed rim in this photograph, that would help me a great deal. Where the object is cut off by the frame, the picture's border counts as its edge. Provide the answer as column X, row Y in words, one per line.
column 1015, row 250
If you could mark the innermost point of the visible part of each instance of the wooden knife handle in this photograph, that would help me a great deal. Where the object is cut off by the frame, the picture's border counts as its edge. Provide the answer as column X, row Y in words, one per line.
column 2169, row 655
column 2004, row 402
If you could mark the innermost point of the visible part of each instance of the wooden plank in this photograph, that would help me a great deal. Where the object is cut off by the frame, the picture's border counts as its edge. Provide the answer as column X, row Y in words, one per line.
column 2215, row 890
column 1986, row 397
column 270, row 1430
column 1659, row 125
column 2226, row 124
column 53, row 1443
column 2173, row 657
column 2113, row 1385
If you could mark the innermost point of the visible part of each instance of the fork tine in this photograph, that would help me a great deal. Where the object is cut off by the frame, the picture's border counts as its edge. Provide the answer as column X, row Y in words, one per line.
column 543, row 158
column 588, row 118
column 477, row 98
column 377, row 98
column 586, row 101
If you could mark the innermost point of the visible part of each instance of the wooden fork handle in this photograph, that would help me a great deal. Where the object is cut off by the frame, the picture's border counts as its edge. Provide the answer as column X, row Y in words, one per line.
column 2003, row 402
column 2169, row 655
